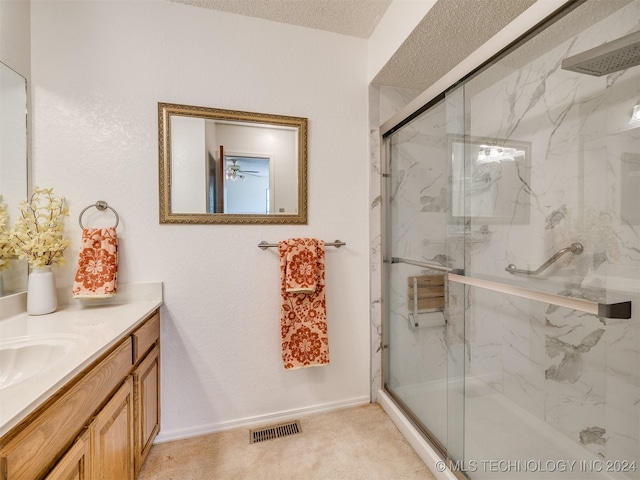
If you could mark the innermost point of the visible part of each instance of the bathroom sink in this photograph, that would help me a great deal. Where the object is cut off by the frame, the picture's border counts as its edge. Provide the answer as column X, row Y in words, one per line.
column 22, row 358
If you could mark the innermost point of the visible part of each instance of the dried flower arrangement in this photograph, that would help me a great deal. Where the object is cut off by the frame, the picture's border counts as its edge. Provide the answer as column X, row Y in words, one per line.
column 38, row 233
column 6, row 252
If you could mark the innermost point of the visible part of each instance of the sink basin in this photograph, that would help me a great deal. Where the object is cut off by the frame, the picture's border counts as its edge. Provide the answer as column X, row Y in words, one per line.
column 22, row 358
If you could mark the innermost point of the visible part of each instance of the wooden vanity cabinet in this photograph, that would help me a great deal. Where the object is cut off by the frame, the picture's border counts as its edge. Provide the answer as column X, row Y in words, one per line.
column 146, row 379
column 100, row 426
column 76, row 463
column 112, row 437
column 146, row 387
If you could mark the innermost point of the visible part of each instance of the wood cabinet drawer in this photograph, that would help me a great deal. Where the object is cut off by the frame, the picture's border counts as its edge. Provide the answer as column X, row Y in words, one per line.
column 76, row 463
column 146, row 337
column 51, row 430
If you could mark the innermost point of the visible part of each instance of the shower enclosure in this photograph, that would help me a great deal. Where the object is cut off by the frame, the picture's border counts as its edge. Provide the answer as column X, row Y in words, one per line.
column 512, row 256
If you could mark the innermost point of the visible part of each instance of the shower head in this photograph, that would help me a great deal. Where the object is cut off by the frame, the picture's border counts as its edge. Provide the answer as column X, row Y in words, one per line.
column 615, row 55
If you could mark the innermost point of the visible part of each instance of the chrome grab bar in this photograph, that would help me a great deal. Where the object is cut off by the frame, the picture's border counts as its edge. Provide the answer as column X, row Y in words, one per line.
column 575, row 248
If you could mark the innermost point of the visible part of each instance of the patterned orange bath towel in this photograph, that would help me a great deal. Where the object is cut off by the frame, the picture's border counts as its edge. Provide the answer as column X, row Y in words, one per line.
column 97, row 273
column 303, row 319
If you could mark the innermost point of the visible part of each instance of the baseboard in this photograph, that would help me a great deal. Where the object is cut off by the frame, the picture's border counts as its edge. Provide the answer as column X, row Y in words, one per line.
column 424, row 450
column 180, row 434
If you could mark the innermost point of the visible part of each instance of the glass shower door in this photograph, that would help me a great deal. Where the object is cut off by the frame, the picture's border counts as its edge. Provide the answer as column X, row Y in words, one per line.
column 549, row 158
column 424, row 351
column 488, row 192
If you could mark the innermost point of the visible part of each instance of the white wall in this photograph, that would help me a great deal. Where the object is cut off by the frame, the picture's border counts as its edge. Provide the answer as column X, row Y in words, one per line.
column 188, row 175
column 98, row 71
column 15, row 41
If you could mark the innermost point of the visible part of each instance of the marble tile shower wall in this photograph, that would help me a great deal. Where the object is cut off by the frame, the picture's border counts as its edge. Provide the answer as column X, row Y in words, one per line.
column 384, row 102
column 375, row 245
column 418, row 221
column 577, row 373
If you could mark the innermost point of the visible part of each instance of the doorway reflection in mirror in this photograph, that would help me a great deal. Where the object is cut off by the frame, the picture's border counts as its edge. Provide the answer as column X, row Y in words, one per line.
column 246, row 185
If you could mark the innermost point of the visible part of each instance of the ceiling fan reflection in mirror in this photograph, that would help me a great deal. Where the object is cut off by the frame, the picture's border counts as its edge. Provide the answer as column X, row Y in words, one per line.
column 233, row 171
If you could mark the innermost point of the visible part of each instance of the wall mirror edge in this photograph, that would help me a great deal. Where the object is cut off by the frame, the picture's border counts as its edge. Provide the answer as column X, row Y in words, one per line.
column 14, row 165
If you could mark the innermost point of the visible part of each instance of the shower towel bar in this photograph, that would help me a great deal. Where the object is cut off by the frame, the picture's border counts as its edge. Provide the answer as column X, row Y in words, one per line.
column 100, row 205
column 337, row 243
column 433, row 266
column 608, row 310
column 575, row 248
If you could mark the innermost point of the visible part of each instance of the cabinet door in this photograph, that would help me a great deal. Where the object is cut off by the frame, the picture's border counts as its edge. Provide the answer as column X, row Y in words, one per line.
column 76, row 463
column 112, row 437
column 147, row 396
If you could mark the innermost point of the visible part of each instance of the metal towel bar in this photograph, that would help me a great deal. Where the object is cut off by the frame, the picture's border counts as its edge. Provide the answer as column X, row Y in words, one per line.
column 607, row 310
column 575, row 248
column 433, row 266
column 264, row 245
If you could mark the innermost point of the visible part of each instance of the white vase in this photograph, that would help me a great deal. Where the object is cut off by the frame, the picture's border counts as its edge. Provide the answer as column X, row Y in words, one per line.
column 41, row 291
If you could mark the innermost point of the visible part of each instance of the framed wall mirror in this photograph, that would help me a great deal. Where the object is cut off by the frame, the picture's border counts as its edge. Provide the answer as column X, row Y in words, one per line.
column 13, row 170
column 231, row 167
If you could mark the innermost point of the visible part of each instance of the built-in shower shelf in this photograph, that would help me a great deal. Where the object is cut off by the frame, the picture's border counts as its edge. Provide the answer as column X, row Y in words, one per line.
column 620, row 310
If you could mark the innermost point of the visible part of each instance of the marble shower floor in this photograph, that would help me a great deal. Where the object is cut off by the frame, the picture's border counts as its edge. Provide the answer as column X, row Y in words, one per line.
column 359, row 443
column 497, row 429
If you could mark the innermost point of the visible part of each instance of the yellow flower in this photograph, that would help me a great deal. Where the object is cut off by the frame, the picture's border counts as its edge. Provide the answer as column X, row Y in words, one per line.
column 6, row 251
column 37, row 235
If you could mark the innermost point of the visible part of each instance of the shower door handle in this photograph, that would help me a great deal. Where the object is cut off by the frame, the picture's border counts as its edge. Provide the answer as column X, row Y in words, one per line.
column 575, row 248
column 620, row 310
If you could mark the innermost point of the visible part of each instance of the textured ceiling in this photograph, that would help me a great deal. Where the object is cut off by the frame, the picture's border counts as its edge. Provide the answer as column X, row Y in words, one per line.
column 448, row 33
column 357, row 18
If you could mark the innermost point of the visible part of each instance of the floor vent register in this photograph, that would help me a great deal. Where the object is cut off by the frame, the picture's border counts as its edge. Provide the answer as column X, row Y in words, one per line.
column 275, row 431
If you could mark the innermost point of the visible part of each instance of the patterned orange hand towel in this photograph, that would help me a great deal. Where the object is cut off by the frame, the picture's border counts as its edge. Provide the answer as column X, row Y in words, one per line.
column 97, row 273
column 303, row 319
column 301, row 266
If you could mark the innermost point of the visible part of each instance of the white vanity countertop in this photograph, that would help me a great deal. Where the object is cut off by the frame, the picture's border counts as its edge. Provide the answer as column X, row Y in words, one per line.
column 93, row 330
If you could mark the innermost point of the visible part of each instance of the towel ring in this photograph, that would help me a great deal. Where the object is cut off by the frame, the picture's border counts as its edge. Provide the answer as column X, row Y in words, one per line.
column 100, row 205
